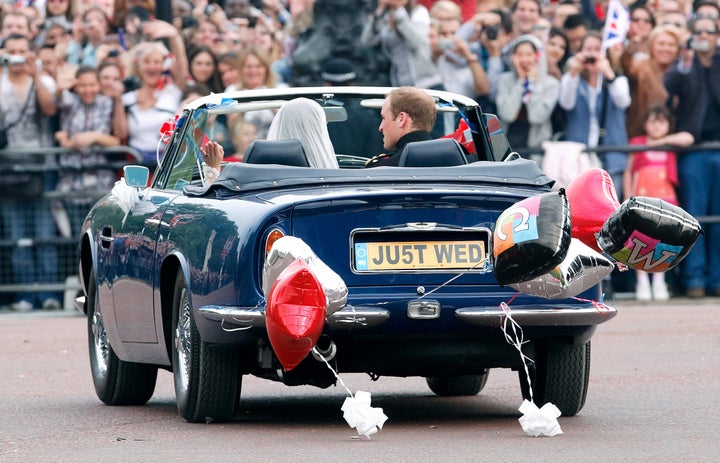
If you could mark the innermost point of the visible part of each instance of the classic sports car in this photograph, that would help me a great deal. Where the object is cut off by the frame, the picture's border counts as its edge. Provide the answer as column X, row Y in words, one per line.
column 173, row 273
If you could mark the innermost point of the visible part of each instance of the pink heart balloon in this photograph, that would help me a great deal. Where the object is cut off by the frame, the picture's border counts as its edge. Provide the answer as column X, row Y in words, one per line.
column 592, row 199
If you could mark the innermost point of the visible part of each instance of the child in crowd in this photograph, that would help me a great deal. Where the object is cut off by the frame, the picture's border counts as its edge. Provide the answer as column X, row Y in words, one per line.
column 654, row 173
column 85, row 124
column 243, row 134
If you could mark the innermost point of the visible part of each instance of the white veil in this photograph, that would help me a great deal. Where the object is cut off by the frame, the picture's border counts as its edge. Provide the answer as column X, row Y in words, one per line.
column 304, row 120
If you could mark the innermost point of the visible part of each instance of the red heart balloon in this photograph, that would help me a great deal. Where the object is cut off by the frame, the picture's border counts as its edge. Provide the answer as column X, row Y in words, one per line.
column 295, row 317
column 592, row 199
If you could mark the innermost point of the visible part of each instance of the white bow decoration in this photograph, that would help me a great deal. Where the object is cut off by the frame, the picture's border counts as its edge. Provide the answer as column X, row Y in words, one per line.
column 360, row 415
column 536, row 421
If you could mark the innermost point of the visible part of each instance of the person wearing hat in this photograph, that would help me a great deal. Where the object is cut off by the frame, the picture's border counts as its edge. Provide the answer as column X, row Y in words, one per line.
column 527, row 95
column 357, row 135
column 338, row 71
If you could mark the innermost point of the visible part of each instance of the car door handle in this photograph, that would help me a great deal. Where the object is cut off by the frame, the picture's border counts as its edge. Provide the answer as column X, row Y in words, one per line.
column 106, row 237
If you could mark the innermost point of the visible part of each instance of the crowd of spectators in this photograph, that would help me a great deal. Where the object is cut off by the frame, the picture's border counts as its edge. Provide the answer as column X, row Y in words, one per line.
column 82, row 75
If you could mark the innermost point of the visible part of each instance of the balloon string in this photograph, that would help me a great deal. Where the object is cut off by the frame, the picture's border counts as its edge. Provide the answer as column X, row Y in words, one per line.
column 516, row 338
column 483, row 263
column 320, row 356
column 599, row 306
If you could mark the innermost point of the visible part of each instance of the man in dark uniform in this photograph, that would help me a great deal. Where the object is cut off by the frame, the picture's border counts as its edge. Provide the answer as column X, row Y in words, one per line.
column 408, row 115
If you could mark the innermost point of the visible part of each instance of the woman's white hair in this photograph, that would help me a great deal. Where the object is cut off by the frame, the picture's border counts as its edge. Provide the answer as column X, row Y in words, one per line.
column 304, row 119
column 140, row 51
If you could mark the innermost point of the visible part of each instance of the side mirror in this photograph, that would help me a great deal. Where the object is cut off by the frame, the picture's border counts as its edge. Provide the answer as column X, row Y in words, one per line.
column 136, row 176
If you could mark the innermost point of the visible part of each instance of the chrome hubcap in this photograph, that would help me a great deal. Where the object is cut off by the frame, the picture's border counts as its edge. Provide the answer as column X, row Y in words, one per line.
column 101, row 351
column 183, row 340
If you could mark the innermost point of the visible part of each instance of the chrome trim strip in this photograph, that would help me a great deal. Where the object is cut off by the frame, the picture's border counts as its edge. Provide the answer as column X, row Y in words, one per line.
column 492, row 316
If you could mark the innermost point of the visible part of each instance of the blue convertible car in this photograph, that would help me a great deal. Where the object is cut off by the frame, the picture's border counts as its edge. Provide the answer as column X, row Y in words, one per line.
column 172, row 273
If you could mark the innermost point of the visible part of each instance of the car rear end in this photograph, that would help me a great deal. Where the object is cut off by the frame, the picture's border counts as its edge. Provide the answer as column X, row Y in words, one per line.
column 422, row 297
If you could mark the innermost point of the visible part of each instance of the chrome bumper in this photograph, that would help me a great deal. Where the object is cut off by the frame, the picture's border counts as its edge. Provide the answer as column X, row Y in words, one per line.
column 535, row 316
column 352, row 317
column 349, row 317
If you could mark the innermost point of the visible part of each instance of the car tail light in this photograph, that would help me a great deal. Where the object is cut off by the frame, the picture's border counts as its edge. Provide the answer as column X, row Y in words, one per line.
column 274, row 235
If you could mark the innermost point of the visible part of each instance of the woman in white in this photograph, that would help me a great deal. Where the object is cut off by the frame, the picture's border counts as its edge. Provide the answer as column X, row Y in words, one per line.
column 304, row 120
column 158, row 98
column 299, row 119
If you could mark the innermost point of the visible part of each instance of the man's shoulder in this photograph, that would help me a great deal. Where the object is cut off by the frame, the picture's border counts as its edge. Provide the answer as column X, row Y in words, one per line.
column 384, row 159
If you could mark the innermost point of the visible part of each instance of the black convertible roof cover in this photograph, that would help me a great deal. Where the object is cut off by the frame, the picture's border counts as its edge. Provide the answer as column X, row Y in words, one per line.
column 240, row 177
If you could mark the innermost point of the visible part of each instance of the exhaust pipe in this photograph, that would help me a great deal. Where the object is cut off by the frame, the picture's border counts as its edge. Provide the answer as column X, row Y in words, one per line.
column 325, row 349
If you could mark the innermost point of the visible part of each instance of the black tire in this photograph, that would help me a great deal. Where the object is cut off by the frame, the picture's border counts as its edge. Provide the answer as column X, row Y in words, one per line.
column 561, row 375
column 206, row 377
column 116, row 381
column 453, row 386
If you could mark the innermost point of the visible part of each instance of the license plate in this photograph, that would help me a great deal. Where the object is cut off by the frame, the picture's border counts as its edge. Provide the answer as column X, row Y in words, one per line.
column 420, row 255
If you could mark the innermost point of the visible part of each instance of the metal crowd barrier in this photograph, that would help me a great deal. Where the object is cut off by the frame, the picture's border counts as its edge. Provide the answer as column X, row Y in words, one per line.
column 66, row 284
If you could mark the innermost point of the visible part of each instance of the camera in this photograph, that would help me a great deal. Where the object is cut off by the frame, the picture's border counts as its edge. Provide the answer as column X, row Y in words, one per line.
column 188, row 21
column 590, row 60
column 491, row 32
column 114, row 53
column 446, row 44
column 6, row 60
column 131, row 83
column 210, row 10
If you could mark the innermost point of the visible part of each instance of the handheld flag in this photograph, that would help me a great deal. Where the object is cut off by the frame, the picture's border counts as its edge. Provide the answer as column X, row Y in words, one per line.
column 616, row 24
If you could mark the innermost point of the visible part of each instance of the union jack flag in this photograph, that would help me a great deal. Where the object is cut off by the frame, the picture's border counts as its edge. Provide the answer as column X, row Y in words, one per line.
column 617, row 23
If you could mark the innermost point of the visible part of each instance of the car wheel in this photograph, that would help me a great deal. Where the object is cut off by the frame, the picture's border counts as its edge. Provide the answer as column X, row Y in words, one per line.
column 116, row 381
column 207, row 382
column 561, row 376
column 448, row 386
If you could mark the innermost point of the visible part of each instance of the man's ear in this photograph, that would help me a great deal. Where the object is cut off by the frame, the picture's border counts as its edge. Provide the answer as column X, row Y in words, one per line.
column 404, row 120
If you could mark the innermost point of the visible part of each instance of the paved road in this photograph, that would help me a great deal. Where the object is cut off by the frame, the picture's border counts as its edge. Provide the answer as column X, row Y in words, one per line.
column 654, row 396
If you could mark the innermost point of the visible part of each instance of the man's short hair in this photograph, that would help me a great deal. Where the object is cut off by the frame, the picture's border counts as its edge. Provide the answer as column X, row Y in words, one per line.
column 416, row 103
column 514, row 5
column 19, row 15
column 15, row 36
column 575, row 20
column 506, row 21
column 706, row 3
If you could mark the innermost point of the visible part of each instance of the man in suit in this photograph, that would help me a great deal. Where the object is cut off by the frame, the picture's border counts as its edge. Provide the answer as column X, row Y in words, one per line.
column 408, row 115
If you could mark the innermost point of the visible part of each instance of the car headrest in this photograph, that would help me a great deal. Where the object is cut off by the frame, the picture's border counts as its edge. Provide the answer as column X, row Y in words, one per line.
column 433, row 153
column 283, row 152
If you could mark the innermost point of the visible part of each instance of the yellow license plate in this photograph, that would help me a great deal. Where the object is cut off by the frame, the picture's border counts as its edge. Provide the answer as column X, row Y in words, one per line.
column 420, row 255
